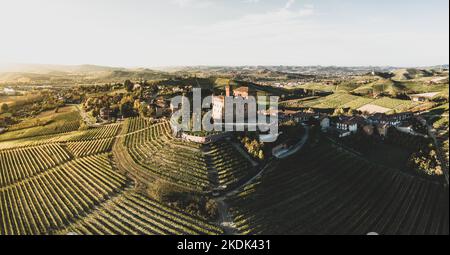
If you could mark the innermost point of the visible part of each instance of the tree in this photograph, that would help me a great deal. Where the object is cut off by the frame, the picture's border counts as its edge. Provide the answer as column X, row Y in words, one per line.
column 351, row 112
column 144, row 110
column 261, row 155
column 5, row 108
column 83, row 126
column 211, row 208
column 338, row 112
column 128, row 85
column 126, row 107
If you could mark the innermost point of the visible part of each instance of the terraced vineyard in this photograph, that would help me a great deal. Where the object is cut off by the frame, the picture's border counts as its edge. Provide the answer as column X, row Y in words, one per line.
column 156, row 154
column 72, row 183
column 330, row 191
column 134, row 214
column 230, row 165
column 69, row 183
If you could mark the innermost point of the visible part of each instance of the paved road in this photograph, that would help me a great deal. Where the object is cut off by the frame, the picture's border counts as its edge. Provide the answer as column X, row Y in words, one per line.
column 296, row 147
column 225, row 218
column 245, row 154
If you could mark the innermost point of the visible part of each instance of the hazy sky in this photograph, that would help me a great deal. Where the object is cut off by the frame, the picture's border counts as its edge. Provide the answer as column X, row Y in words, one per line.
column 225, row 32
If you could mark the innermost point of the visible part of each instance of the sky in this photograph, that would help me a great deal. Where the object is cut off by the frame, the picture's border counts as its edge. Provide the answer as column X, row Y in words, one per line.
column 156, row 33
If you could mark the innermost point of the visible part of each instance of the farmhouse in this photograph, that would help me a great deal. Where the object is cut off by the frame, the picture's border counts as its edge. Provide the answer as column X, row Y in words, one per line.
column 423, row 97
column 9, row 91
column 105, row 113
column 345, row 125
column 383, row 129
column 349, row 123
column 324, row 122
column 243, row 92
column 392, row 120
column 161, row 107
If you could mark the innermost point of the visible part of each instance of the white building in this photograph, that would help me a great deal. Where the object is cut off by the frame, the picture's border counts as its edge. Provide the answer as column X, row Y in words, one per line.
column 9, row 91
column 325, row 123
column 218, row 103
column 348, row 126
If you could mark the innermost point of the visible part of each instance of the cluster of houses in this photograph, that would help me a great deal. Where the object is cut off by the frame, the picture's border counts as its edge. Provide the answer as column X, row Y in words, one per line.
column 343, row 126
column 9, row 92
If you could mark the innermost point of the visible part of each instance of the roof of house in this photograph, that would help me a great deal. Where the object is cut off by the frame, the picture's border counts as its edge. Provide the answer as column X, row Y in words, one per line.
column 391, row 117
column 351, row 120
column 244, row 89
column 426, row 95
column 383, row 125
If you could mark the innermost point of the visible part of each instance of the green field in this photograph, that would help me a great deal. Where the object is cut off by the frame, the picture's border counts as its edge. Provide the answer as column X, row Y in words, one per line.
column 344, row 100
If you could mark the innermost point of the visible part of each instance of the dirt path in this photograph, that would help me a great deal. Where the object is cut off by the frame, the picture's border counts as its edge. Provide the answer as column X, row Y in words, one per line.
column 225, row 219
column 245, row 154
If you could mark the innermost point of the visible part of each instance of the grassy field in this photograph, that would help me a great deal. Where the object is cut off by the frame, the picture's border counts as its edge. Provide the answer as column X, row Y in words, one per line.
column 19, row 100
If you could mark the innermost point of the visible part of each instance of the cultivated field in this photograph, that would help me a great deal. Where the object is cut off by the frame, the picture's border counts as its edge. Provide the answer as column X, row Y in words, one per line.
column 344, row 100
column 69, row 183
column 154, row 153
column 328, row 190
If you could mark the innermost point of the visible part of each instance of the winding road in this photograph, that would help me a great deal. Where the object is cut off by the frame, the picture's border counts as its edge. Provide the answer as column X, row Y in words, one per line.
column 225, row 218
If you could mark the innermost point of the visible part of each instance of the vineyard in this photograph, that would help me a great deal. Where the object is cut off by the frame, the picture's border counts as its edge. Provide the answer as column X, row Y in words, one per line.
column 344, row 100
column 79, row 182
column 331, row 191
column 230, row 165
column 19, row 164
column 69, row 183
column 134, row 214
column 156, row 154
column 59, row 124
column 48, row 201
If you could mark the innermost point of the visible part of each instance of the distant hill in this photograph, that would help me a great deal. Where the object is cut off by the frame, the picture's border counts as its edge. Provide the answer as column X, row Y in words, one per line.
column 74, row 74
column 412, row 73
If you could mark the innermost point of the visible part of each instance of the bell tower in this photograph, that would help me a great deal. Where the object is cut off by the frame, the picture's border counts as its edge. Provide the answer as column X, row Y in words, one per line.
column 228, row 89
